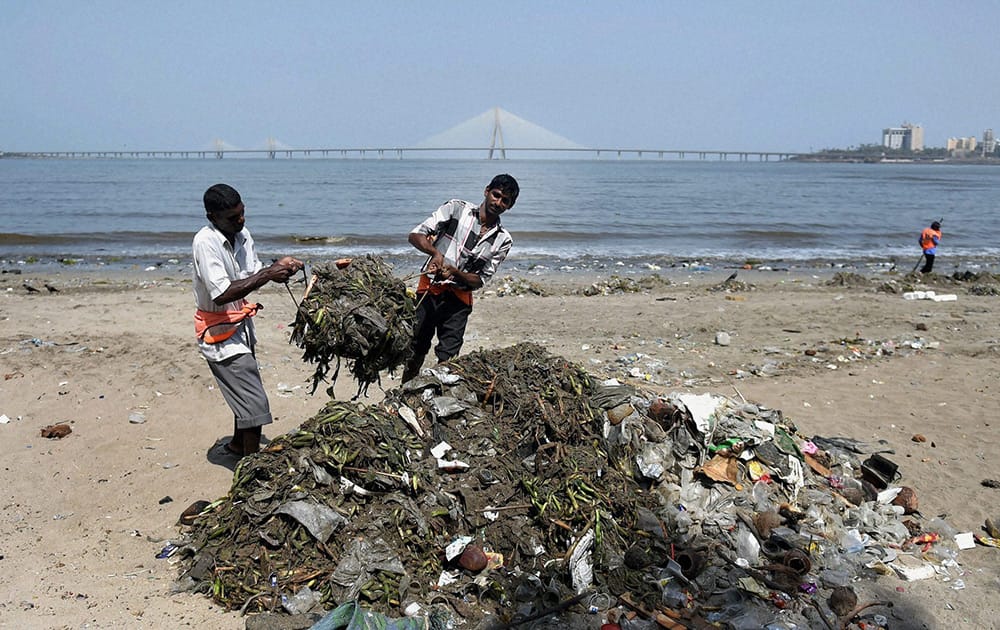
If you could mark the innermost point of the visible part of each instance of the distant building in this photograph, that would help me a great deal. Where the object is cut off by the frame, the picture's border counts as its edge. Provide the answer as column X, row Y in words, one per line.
column 961, row 146
column 907, row 137
column 989, row 143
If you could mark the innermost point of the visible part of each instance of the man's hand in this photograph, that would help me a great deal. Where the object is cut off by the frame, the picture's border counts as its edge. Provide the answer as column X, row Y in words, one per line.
column 425, row 244
column 451, row 272
column 280, row 270
column 437, row 263
column 284, row 268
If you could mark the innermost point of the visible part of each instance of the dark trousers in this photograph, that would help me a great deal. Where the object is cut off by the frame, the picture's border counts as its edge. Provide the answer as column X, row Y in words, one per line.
column 928, row 263
column 444, row 315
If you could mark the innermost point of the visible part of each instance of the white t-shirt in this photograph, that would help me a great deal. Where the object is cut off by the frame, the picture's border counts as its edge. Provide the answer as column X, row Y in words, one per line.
column 216, row 265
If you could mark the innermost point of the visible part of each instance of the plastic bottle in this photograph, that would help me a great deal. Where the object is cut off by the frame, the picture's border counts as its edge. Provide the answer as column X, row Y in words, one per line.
column 753, row 619
column 832, row 578
column 946, row 550
column 673, row 596
column 762, row 497
column 852, row 541
column 747, row 546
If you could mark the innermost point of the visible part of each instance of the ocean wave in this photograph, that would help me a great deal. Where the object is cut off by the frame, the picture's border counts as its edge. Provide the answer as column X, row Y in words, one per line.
column 601, row 212
column 7, row 238
column 348, row 240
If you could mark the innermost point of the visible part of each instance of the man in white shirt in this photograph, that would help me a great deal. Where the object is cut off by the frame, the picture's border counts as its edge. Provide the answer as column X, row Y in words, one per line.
column 226, row 271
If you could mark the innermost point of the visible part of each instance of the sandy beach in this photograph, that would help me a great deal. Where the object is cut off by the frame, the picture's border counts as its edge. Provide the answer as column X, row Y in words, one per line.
column 112, row 355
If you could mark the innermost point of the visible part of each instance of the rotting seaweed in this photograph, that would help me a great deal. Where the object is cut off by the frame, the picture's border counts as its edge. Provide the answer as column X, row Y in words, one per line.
column 545, row 461
column 361, row 313
column 347, row 464
column 529, row 430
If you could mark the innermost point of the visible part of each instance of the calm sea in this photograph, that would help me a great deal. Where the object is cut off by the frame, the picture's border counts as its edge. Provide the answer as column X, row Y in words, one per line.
column 572, row 214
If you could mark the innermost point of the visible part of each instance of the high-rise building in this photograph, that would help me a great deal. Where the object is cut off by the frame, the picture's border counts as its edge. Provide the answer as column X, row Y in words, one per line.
column 989, row 142
column 908, row 137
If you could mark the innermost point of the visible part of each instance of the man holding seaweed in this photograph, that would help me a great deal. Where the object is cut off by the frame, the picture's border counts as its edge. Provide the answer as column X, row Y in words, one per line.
column 466, row 244
column 226, row 271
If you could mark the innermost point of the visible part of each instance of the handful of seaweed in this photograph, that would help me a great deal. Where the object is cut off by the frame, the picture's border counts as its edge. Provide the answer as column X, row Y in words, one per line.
column 361, row 313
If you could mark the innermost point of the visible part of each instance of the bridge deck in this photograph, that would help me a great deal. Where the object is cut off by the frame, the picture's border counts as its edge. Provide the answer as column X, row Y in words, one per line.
column 399, row 152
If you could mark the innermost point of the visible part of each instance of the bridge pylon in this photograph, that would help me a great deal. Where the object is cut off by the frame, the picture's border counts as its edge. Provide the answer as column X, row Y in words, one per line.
column 497, row 132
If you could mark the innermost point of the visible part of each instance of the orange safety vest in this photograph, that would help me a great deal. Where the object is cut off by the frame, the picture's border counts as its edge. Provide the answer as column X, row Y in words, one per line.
column 424, row 284
column 226, row 321
column 927, row 238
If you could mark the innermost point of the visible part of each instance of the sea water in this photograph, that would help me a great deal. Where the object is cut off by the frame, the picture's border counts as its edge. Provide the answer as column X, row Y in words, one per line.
column 571, row 214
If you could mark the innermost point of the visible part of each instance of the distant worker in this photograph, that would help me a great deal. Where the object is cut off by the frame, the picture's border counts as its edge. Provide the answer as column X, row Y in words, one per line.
column 929, row 240
column 226, row 271
column 466, row 244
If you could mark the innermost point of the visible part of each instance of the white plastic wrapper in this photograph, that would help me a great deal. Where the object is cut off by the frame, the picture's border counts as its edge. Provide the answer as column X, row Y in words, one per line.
column 581, row 568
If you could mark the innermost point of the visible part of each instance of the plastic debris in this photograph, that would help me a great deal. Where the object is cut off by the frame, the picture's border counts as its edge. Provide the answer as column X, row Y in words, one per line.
column 930, row 295
column 715, row 510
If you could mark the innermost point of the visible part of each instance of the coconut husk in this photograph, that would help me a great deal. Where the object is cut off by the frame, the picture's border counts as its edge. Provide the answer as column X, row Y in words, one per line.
column 907, row 499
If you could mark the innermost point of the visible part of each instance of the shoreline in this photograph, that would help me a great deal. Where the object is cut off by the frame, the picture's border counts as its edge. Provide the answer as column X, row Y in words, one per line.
column 572, row 267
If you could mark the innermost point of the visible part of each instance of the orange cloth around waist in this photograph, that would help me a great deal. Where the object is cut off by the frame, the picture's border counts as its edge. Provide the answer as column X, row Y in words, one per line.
column 425, row 284
column 222, row 324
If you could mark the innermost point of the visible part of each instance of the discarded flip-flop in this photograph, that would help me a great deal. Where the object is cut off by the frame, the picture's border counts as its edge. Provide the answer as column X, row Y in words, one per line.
column 992, row 528
column 986, row 540
column 192, row 511
column 990, row 483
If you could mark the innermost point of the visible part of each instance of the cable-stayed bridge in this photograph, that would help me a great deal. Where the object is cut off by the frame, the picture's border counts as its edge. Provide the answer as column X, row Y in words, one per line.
column 502, row 129
column 491, row 135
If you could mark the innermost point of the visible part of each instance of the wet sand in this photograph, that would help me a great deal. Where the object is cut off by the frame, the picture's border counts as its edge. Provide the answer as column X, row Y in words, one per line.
column 112, row 355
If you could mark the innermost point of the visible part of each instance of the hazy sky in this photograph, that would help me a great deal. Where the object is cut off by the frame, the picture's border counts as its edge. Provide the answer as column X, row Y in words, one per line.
column 756, row 75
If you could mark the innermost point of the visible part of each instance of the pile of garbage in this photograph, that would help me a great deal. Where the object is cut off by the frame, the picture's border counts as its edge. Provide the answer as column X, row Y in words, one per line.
column 732, row 285
column 979, row 283
column 984, row 289
column 509, row 285
column 357, row 310
column 511, row 485
column 848, row 279
column 618, row 285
